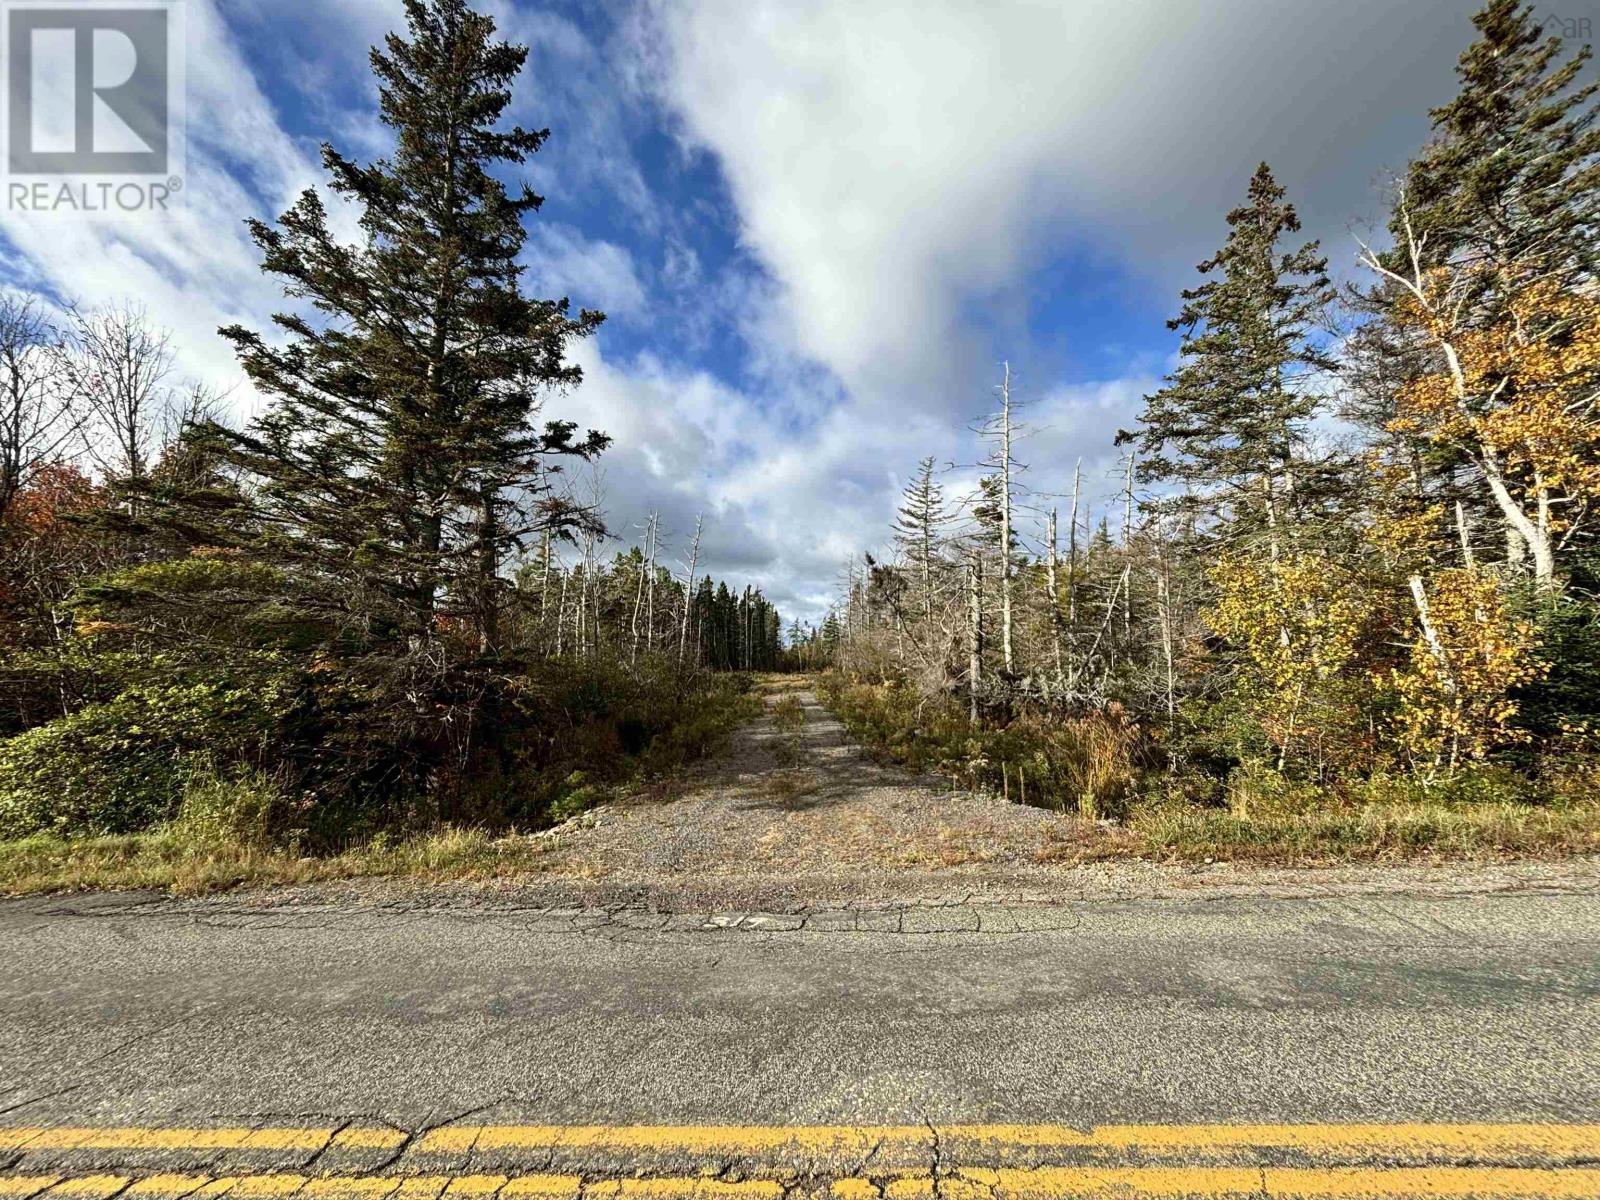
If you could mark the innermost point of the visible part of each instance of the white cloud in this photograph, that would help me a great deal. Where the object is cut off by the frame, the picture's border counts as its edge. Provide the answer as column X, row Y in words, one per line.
column 593, row 274
column 193, row 268
column 895, row 162
column 895, row 167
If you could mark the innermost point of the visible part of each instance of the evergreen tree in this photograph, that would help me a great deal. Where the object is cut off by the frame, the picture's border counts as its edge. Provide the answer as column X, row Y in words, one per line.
column 1485, row 306
column 1509, row 178
column 1230, row 426
column 399, row 462
column 918, row 528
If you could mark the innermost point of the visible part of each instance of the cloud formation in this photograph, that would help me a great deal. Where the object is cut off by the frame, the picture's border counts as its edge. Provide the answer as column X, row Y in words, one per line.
column 817, row 225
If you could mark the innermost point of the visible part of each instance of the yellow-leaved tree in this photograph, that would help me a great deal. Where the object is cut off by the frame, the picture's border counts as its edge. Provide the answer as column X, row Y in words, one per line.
column 1299, row 624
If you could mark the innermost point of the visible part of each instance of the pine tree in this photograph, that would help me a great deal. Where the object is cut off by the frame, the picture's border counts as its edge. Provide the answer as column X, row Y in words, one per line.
column 1230, row 426
column 918, row 528
column 1509, row 177
column 399, row 462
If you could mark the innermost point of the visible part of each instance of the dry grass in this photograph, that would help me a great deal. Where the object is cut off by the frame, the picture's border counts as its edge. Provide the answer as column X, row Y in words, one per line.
column 169, row 861
column 788, row 788
column 789, row 715
column 1373, row 833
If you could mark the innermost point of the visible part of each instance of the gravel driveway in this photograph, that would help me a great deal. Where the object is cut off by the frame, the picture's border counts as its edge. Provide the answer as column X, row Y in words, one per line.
column 788, row 820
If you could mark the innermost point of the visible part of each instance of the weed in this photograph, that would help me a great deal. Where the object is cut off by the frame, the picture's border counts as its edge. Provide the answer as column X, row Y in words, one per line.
column 788, row 788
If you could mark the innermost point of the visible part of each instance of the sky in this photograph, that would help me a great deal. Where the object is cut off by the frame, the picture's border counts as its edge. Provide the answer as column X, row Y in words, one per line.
column 818, row 227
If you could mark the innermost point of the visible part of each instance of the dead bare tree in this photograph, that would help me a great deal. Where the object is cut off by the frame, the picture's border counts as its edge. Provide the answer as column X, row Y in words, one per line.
column 647, row 569
column 688, row 589
column 117, row 365
column 974, row 634
column 39, row 421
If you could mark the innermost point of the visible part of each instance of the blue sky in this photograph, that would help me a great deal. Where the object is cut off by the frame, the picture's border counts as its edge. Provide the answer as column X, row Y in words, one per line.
column 818, row 226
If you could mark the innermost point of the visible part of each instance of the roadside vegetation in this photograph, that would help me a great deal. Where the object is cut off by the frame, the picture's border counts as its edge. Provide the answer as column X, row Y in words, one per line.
column 1133, row 809
column 376, row 630
column 1275, row 641
column 372, row 631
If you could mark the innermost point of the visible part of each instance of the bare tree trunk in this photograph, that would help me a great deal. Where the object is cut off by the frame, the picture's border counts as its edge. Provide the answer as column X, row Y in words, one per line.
column 1127, row 555
column 974, row 633
column 544, row 583
column 583, row 632
column 1164, row 601
column 866, row 595
column 1419, row 596
column 1005, row 520
column 650, row 586
column 488, row 572
column 646, row 568
column 1536, row 539
column 688, row 592
column 1072, row 572
column 1464, row 534
column 561, row 618
column 1055, row 596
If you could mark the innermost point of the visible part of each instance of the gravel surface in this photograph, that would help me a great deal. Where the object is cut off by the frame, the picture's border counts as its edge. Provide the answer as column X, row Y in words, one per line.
column 793, row 822
column 807, row 802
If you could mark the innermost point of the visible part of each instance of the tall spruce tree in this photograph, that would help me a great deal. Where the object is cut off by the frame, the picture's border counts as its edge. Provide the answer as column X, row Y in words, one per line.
column 918, row 529
column 1230, row 426
column 1511, row 177
column 399, row 461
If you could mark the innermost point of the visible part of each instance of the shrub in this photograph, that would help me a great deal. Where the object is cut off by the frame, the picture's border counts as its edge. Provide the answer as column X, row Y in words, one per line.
column 789, row 715
column 123, row 765
column 228, row 809
column 1083, row 764
column 577, row 795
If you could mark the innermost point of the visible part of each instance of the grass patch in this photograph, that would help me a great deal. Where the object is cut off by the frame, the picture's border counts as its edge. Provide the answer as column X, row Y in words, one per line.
column 1374, row 832
column 789, row 715
column 171, row 860
column 1087, row 766
column 788, row 788
column 235, row 828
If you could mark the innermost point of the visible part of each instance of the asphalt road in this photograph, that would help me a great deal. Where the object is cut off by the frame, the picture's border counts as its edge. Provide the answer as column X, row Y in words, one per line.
column 1384, row 1009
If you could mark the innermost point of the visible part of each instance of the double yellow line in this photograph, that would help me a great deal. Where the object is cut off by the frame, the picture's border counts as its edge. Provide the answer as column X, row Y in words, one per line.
column 1390, row 1142
column 845, row 1162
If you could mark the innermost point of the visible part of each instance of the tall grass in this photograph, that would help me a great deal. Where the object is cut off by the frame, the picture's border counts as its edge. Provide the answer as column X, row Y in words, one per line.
column 1090, row 766
column 1082, row 765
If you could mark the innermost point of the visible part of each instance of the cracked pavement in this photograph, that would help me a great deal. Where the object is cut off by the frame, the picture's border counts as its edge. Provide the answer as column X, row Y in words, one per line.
column 384, row 1031
column 1335, row 1009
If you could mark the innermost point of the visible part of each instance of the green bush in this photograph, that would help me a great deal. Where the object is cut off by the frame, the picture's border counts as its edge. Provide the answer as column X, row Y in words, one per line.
column 1082, row 764
column 577, row 795
column 123, row 765
column 228, row 809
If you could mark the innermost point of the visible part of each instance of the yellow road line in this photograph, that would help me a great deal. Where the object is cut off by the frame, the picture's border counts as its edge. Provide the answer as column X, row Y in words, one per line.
column 1045, row 1183
column 1481, row 1141
column 1345, row 1140
column 1366, row 1140
column 1360, row 1183
column 89, row 1187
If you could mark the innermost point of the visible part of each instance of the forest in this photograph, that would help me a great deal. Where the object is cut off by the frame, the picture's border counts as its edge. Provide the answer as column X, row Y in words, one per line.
column 383, row 606
column 1353, row 562
column 1348, row 585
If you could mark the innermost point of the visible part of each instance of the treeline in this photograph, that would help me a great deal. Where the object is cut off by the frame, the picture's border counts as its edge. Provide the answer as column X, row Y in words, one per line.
column 380, row 605
column 635, row 606
column 1356, row 529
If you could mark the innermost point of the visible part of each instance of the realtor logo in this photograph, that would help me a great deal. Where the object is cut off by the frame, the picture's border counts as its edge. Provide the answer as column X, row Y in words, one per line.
column 94, row 99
